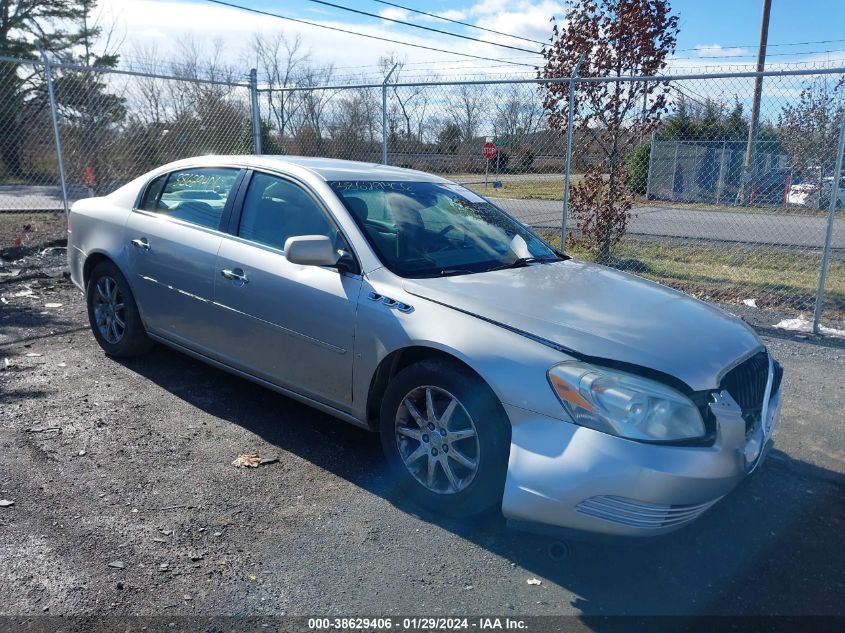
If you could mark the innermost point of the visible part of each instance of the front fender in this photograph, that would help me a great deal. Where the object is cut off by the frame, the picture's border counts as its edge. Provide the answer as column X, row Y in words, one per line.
column 512, row 365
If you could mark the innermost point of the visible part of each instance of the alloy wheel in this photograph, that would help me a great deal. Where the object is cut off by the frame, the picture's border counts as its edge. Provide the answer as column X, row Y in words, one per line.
column 437, row 440
column 109, row 309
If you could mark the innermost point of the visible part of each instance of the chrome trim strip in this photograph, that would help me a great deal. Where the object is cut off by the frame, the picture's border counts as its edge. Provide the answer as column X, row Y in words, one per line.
column 764, row 413
column 162, row 217
column 326, row 408
column 174, row 289
column 310, row 339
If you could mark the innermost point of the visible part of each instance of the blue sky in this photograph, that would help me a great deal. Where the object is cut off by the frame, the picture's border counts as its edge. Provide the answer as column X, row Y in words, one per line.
column 725, row 29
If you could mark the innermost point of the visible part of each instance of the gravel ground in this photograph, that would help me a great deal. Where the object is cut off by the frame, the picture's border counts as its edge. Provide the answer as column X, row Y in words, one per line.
column 126, row 502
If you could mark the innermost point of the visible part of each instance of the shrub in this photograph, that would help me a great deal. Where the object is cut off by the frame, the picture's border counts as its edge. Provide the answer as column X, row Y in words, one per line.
column 636, row 168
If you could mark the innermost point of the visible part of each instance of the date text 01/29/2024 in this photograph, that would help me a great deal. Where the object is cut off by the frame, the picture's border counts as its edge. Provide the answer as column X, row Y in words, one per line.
column 416, row 623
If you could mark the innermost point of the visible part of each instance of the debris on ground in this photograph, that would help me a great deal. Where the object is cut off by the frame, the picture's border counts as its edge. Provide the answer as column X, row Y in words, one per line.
column 751, row 303
column 117, row 564
column 53, row 305
column 253, row 460
column 5, row 503
column 534, row 581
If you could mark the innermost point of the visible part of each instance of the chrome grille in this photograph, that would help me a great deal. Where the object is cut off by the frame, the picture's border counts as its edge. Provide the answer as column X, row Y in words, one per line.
column 640, row 514
column 747, row 385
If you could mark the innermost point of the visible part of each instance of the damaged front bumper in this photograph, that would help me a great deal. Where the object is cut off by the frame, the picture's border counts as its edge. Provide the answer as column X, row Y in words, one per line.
column 562, row 475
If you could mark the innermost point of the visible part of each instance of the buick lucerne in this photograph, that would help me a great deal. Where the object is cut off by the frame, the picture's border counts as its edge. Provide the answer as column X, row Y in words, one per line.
column 497, row 371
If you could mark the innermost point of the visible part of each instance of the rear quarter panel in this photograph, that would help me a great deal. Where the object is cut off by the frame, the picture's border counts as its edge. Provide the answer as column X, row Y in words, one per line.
column 97, row 225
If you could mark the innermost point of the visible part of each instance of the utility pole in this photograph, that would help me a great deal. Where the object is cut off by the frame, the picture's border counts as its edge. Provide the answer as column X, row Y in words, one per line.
column 755, row 105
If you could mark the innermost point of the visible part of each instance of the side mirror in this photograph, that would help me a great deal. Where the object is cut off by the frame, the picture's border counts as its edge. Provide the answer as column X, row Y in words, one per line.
column 311, row 250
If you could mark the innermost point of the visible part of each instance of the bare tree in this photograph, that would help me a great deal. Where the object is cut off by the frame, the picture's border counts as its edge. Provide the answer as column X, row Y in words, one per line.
column 464, row 106
column 282, row 62
column 617, row 38
column 406, row 103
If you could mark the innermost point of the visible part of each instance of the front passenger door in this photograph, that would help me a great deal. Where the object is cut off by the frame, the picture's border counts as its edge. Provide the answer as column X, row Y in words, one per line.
column 290, row 324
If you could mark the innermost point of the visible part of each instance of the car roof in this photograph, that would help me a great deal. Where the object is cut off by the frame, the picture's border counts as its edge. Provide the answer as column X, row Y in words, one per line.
column 329, row 169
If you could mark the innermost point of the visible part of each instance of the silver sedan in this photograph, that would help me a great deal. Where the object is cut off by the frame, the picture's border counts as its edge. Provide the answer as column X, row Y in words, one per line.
column 497, row 371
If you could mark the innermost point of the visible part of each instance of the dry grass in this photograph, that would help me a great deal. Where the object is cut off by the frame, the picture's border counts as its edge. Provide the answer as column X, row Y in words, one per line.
column 21, row 232
column 780, row 280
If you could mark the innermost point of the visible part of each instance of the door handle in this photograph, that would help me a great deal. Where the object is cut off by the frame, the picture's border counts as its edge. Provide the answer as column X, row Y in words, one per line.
column 141, row 243
column 235, row 275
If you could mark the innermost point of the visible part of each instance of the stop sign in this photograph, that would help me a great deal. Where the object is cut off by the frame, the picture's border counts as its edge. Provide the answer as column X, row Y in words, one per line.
column 488, row 150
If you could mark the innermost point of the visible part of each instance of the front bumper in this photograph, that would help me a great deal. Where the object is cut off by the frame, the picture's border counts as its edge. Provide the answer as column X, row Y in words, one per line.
column 564, row 475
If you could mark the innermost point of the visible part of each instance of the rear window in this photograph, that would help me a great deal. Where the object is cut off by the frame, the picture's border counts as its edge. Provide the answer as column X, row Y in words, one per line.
column 197, row 195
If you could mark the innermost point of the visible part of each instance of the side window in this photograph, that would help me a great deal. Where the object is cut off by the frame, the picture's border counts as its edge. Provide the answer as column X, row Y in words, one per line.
column 153, row 192
column 197, row 195
column 276, row 209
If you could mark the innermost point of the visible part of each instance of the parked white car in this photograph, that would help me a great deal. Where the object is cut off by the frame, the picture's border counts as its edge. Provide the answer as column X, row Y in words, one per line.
column 814, row 195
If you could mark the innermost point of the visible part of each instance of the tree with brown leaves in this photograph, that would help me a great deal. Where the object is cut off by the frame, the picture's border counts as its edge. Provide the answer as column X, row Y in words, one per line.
column 618, row 38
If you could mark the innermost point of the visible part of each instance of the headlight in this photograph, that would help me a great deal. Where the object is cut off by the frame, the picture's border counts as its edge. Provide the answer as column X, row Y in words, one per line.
column 623, row 404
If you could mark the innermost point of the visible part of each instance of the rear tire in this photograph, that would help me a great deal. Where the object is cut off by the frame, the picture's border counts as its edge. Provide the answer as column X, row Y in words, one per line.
column 446, row 438
column 113, row 314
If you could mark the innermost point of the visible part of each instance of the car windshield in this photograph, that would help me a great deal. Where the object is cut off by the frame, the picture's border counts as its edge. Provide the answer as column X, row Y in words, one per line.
column 430, row 229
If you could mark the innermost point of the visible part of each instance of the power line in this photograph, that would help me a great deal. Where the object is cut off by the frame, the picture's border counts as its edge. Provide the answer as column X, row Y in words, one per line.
column 419, row 26
column 372, row 37
column 435, row 62
column 472, row 26
column 698, row 48
column 831, row 50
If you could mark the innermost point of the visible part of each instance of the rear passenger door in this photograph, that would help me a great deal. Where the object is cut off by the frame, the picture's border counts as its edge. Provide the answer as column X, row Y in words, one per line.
column 173, row 239
column 290, row 324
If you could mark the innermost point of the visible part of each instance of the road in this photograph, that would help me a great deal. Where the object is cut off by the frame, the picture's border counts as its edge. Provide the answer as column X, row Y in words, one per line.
column 17, row 198
column 782, row 229
column 130, row 461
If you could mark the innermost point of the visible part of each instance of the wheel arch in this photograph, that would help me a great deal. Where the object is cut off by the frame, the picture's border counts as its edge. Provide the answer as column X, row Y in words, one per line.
column 396, row 361
column 94, row 258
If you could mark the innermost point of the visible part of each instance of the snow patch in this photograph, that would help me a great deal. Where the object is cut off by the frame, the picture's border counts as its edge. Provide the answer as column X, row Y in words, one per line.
column 803, row 325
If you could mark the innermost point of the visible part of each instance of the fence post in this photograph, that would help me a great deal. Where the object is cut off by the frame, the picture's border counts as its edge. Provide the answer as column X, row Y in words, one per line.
column 384, row 115
column 256, row 115
column 567, row 164
column 650, row 164
column 48, row 76
column 720, row 185
column 675, row 170
column 831, row 212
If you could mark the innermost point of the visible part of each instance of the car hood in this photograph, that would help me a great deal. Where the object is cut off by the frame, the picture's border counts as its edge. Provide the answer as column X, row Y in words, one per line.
column 602, row 313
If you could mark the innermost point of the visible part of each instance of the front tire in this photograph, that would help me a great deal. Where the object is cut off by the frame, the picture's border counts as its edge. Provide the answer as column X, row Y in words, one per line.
column 446, row 438
column 113, row 314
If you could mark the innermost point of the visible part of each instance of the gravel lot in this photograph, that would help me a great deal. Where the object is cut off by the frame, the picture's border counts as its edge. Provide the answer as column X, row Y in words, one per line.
column 129, row 463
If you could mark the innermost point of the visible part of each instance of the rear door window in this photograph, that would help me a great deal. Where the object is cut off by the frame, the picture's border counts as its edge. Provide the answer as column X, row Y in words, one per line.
column 195, row 195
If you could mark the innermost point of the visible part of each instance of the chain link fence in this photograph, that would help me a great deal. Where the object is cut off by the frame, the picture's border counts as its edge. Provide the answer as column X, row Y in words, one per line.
column 672, row 181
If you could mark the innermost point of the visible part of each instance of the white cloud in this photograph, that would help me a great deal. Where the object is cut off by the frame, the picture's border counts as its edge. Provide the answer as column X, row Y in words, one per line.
column 166, row 23
column 717, row 50
column 394, row 14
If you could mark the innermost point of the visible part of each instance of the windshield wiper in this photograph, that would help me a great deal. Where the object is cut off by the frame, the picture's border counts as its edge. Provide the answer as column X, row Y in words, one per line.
column 456, row 271
column 521, row 262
